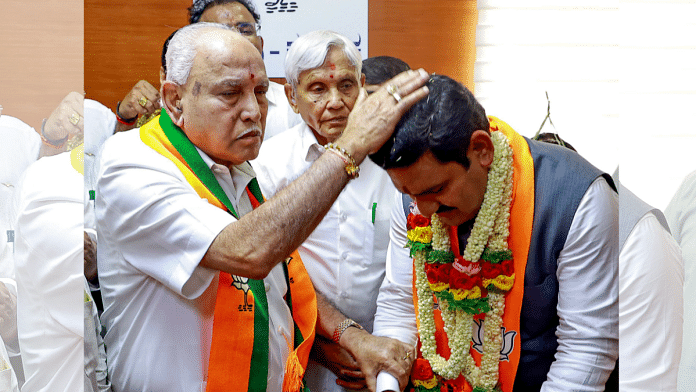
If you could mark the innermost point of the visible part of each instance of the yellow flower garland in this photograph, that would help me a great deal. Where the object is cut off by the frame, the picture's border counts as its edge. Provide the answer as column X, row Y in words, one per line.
column 491, row 229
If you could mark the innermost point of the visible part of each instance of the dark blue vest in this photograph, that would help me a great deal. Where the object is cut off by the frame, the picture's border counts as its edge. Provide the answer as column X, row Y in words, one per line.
column 561, row 178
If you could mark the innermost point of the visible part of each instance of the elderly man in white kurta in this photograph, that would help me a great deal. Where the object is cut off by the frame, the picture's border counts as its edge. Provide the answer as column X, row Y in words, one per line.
column 164, row 247
column 21, row 146
column 345, row 255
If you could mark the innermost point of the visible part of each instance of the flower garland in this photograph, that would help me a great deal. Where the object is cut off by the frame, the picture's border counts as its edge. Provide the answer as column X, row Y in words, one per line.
column 473, row 284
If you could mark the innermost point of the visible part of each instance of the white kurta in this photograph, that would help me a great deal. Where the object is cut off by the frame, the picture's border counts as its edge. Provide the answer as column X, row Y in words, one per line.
column 100, row 123
column 681, row 216
column 158, row 302
column 651, row 274
column 280, row 115
column 49, row 273
column 587, row 337
column 345, row 255
column 19, row 148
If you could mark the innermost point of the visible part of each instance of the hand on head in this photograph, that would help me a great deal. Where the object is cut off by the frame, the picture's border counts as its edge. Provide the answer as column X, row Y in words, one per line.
column 373, row 118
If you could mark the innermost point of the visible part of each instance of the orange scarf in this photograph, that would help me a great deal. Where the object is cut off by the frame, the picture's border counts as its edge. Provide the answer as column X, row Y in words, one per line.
column 239, row 348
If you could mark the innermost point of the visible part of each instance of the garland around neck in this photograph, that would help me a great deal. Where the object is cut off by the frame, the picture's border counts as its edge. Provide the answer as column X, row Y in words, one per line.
column 474, row 284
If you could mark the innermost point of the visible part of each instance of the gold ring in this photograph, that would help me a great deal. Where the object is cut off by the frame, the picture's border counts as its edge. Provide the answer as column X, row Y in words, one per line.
column 143, row 101
column 391, row 89
column 74, row 118
column 407, row 356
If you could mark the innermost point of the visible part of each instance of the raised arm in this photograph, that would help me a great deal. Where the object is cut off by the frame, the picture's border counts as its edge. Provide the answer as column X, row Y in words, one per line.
column 259, row 240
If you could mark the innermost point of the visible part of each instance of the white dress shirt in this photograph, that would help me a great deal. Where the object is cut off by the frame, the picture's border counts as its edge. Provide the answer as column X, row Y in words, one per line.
column 158, row 302
column 49, row 273
column 681, row 216
column 650, row 308
column 280, row 115
column 345, row 255
column 587, row 298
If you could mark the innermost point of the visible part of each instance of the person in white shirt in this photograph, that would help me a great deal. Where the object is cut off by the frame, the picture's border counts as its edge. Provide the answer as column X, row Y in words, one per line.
column 565, row 336
column 21, row 146
column 681, row 216
column 345, row 255
column 49, row 273
column 164, row 247
column 242, row 15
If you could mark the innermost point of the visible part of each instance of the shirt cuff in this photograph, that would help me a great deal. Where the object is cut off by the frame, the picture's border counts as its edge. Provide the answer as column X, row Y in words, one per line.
column 387, row 382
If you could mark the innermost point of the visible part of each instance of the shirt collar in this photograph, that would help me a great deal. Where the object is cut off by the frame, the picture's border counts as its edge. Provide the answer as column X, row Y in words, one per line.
column 273, row 93
column 309, row 144
column 241, row 174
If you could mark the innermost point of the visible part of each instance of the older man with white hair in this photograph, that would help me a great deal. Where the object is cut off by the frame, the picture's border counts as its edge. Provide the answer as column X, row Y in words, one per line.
column 201, row 288
column 345, row 256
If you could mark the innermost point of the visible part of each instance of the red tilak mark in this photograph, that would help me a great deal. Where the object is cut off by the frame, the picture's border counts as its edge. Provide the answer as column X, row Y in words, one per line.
column 331, row 76
column 332, row 66
column 252, row 75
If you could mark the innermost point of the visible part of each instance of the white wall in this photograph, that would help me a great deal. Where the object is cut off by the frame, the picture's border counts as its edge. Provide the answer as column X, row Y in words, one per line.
column 620, row 77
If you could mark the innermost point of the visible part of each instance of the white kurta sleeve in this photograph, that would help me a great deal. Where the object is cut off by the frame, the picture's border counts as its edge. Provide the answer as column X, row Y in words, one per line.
column 395, row 317
column 588, row 296
column 651, row 274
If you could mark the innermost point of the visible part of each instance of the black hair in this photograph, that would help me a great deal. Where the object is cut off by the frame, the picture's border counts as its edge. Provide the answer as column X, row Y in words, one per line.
column 441, row 123
column 379, row 69
column 199, row 6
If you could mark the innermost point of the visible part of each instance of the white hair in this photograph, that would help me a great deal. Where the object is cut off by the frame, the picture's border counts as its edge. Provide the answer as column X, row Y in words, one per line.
column 310, row 50
column 183, row 48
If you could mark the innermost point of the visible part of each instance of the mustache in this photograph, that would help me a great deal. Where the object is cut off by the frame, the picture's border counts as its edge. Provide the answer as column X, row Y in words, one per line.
column 254, row 130
column 444, row 208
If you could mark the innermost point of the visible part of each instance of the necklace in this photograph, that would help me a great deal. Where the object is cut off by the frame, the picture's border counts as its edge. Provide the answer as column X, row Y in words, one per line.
column 466, row 286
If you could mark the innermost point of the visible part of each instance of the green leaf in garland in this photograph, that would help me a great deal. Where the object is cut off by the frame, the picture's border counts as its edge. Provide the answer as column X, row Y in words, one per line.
column 496, row 257
column 418, row 246
column 439, row 256
column 421, row 388
column 483, row 389
column 470, row 306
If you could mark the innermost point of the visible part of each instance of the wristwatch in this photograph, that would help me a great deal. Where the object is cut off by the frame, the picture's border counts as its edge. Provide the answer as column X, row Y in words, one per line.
column 345, row 324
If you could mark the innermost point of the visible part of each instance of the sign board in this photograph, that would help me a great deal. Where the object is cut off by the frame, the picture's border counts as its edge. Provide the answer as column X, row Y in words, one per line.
column 283, row 21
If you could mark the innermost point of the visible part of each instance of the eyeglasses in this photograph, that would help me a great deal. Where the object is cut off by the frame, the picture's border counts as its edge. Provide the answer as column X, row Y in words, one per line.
column 247, row 29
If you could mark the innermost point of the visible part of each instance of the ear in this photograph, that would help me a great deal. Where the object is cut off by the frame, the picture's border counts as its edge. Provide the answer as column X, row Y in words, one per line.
column 171, row 96
column 292, row 99
column 162, row 76
column 261, row 39
column 481, row 148
column 362, row 80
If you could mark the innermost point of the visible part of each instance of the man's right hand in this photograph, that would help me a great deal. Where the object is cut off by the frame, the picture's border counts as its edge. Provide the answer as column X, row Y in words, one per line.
column 142, row 99
column 373, row 118
column 376, row 353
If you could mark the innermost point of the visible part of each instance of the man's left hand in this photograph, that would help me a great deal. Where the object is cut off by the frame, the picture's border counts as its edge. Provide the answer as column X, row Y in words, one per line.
column 375, row 354
column 339, row 361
